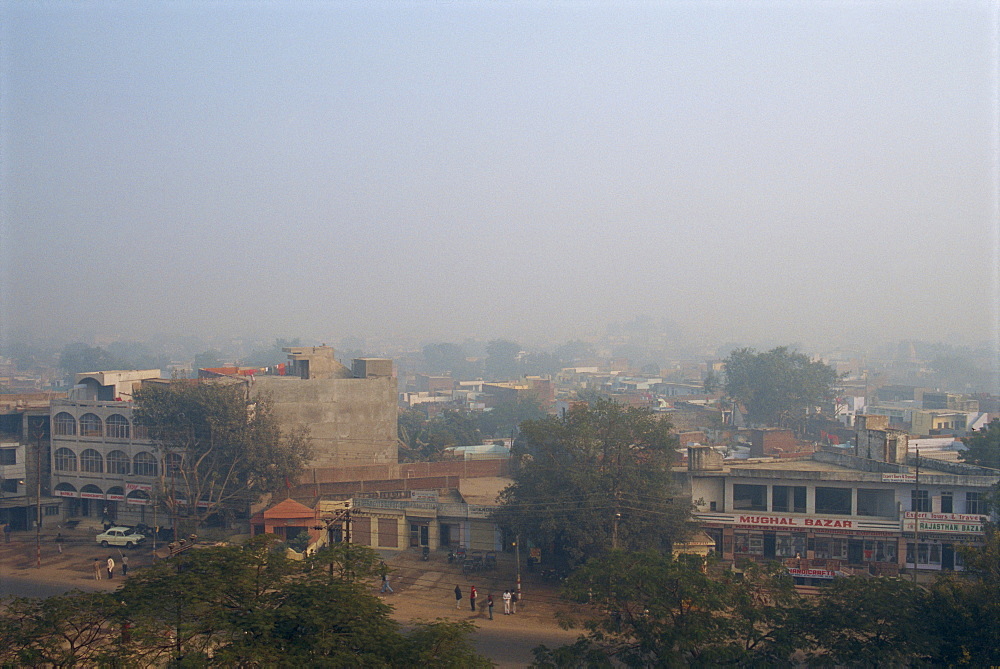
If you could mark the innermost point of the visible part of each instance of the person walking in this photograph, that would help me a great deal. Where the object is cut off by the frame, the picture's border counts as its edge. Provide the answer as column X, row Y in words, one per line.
column 6, row 532
column 97, row 569
column 513, row 602
column 472, row 597
column 111, row 568
column 506, row 602
column 489, row 604
column 124, row 566
column 59, row 542
column 384, row 572
column 458, row 597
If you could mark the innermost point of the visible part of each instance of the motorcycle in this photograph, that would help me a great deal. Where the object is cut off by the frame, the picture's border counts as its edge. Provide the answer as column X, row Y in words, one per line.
column 425, row 553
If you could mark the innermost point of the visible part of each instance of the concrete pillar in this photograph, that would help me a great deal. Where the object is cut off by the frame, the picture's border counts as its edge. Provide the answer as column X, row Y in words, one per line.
column 811, row 499
column 434, row 534
column 402, row 531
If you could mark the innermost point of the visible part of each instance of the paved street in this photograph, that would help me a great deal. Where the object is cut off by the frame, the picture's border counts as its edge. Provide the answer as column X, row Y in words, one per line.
column 425, row 591
column 60, row 572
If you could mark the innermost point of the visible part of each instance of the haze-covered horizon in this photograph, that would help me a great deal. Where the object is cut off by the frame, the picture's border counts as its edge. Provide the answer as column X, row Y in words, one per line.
column 753, row 172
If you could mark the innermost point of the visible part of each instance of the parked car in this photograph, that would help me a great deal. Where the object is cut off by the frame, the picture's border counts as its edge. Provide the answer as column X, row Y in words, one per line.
column 120, row 536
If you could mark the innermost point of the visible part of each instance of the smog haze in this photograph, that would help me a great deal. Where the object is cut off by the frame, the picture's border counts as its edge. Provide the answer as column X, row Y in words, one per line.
column 783, row 170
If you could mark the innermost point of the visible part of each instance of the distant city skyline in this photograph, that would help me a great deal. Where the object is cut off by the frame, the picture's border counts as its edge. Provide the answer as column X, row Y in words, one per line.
column 755, row 172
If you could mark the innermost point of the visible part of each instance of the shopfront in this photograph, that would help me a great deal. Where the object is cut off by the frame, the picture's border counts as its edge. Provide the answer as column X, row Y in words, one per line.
column 846, row 541
column 932, row 538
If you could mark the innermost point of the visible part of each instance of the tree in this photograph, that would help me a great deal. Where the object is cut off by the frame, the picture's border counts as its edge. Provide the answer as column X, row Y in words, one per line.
column 208, row 359
column 425, row 439
column 506, row 417
column 502, row 363
column 871, row 622
column 263, row 356
column 964, row 609
column 983, row 446
column 451, row 359
column 76, row 629
column 250, row 606
column 78, row 358
column 652, row 610
column 779, row 385
column 595, row 479
column 221, row 449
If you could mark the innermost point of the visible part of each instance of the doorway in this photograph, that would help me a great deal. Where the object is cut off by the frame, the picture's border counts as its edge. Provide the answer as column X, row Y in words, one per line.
column 769, row 543
column 419, row 534
column 947, row 556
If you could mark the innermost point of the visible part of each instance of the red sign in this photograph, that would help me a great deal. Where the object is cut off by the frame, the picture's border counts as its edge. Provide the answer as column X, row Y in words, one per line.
column 791, row 521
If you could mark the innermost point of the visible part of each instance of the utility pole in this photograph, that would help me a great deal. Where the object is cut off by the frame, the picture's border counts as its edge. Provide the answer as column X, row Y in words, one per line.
column 517, row 563
column 38, row 500
column 916, row 518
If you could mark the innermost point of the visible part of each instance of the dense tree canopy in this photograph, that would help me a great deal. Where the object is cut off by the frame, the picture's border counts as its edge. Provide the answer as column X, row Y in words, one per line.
column 77, row 358
column 648, row 609
column 423, row 439
column 218, row 446
column 651, row 610
column 983, row 446
column 779, row 385
column 596, row 478
column 506, row 417
column 230, row 607
column 502, row 362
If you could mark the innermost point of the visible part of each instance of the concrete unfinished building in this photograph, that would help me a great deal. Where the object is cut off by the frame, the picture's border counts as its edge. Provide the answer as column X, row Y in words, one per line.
column 351, row 413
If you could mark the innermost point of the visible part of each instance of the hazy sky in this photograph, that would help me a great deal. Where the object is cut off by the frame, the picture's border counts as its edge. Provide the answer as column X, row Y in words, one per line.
column 528, row 169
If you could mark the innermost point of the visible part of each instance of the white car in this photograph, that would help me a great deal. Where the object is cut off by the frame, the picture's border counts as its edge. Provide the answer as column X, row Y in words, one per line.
column 120, row 536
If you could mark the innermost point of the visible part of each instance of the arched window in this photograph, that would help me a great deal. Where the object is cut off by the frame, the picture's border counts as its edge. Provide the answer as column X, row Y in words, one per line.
column 144, row 465
column 118, row 462
column 117, row 426
column 65, row 490
column 65, row 460
column 172, row 464
column 137, row 497
column 64, row 424
column 91, row 461
column 91, row 491
column 90, row 426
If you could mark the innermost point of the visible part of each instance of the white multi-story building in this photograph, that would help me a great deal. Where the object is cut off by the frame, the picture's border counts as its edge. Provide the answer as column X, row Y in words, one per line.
column 877, row 507
column 103, row 465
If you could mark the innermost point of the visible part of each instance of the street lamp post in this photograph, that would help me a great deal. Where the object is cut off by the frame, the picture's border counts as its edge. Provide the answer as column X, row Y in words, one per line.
column 517, row 564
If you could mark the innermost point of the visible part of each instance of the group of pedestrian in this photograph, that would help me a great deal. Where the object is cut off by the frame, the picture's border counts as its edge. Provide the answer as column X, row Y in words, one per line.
column 99, row 567
column 509, row 600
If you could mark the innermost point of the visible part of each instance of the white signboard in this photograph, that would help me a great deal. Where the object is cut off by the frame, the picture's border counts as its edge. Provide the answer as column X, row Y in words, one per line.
column 793, row 522
column 899, row 478
column 811, row 573
column 943, row 523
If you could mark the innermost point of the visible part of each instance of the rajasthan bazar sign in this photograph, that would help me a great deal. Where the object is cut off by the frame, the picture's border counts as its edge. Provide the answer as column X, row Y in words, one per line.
column 943, row 523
